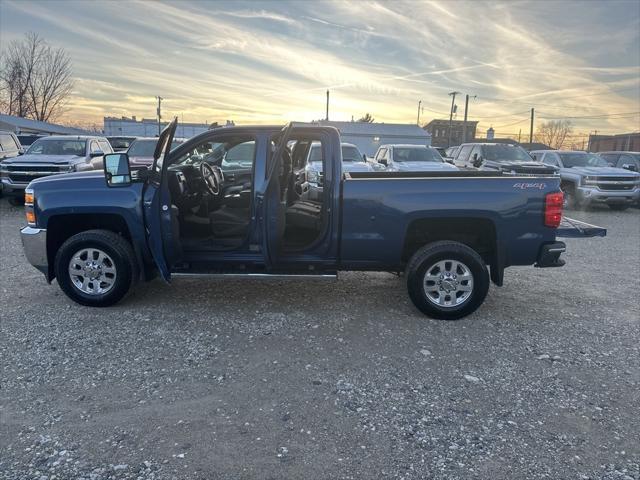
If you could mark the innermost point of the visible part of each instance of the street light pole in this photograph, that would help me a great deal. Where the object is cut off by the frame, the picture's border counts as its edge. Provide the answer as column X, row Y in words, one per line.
column 453, row 101
column 419, row 106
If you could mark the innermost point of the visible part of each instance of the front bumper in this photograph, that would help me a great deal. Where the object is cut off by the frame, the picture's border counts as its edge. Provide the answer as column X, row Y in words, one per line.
column 595, row 195
column 12, row 188
column 34, row 243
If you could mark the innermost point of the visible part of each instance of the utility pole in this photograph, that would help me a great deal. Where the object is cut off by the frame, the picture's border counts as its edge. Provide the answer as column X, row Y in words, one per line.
column 453, row 101
column 464, row 124
column 159, row 114
column 327, row 115
column 519, row 135
column 531, row 130
column 419, row 106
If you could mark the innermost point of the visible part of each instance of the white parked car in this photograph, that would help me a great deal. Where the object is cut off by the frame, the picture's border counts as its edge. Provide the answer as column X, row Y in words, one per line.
column 411, row 158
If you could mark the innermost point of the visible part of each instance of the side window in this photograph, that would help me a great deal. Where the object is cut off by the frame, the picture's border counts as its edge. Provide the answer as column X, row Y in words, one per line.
column 105, row 146
column 7, row 143
column 629, row 160
column 94, row 147
column 463, row 154
column 381, row 153
column 477, row 150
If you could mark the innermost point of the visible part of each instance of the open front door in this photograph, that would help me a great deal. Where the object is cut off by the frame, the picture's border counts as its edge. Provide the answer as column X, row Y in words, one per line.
column 273, row 204
column 161, row 224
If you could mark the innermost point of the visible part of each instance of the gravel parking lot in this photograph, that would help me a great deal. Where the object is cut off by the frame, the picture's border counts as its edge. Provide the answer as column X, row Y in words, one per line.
column 336, row 379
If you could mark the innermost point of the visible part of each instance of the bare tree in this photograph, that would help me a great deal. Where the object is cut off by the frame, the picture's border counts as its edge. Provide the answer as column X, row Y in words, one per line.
column 554, row 133
column 35, row 79
column 366, row 119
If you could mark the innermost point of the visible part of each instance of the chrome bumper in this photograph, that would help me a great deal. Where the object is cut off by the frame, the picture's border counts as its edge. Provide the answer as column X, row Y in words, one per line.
column 34, row 242
column 591, row 194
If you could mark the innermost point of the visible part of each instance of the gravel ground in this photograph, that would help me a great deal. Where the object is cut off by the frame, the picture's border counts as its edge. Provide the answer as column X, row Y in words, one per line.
column 340, row 379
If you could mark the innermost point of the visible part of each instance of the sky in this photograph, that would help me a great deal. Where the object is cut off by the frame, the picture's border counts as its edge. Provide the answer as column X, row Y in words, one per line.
column 271, row 62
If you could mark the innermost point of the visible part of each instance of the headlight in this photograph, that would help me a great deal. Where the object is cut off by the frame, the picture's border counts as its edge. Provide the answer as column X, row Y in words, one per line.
column 312, row 176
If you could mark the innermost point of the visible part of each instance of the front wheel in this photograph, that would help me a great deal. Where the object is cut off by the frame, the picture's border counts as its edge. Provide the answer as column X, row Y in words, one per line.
column 96, row 268
column 447, row 280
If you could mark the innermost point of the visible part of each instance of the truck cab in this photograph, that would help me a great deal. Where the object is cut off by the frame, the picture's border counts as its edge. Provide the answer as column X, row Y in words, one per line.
column 226, row 203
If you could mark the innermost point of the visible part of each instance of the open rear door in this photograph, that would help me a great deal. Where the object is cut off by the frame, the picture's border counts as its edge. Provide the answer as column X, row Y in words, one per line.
column 161, row 224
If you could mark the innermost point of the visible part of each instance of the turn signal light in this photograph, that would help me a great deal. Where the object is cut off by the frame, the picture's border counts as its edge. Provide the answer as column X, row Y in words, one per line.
column 553, row 203
column 28, row 198
column 31, row 217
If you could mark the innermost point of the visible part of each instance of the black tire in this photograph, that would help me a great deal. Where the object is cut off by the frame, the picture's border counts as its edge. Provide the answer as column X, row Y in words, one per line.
column 618, row 207
column 435, row 252
column 116, row 247
column 16, row 201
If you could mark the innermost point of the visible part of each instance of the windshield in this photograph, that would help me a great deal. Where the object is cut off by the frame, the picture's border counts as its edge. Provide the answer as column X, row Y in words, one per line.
column 506, row 152
column 146, row 148
column 241, row 156
column 351, row 154
column 582, row 159
column 58, row 147
column 410, row 154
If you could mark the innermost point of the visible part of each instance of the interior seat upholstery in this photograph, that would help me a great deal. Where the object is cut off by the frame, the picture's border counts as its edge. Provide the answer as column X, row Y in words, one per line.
column 229, row 221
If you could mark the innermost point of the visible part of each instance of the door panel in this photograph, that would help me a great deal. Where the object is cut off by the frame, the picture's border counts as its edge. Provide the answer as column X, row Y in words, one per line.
column 162, row 235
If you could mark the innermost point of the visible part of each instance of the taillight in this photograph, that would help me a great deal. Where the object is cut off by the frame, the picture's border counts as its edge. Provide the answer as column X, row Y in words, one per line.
column 553, row 209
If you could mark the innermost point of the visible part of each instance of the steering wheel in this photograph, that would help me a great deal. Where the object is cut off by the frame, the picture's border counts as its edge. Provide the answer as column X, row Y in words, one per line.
column 211, row 179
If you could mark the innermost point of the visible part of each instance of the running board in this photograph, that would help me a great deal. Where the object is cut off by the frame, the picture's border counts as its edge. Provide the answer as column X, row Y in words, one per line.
column 275, row 276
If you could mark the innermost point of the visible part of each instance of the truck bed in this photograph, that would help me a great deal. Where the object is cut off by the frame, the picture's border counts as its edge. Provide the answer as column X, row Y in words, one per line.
column 381, row 209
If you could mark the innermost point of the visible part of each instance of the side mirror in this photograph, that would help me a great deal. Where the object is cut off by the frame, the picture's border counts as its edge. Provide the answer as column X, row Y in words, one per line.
column 21, row 151
column 364, row 157
column 628, row 166
column 477, row 160
column 117, row 171
column 98, row 153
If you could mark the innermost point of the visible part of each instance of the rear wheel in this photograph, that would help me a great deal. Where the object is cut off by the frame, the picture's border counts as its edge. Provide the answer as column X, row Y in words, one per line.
column 447, row 280
column 618, row 207
column 96, row 268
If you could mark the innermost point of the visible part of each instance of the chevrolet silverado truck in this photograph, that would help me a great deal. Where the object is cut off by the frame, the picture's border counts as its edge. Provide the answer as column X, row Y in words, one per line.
column 411, row 158
column 500, row 157
column 49, row 156
column 99, row 232
column 587, row 179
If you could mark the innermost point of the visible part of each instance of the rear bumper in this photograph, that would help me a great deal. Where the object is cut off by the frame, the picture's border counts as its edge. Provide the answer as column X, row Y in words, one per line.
column 595, row 195
column 34, row 243
column 549, row 255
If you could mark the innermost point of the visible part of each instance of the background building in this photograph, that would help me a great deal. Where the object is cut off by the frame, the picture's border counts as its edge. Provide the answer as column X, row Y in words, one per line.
column 369, row 136
column 148, row 127
column 20, row 125
column 628, row 142
column 439, row 131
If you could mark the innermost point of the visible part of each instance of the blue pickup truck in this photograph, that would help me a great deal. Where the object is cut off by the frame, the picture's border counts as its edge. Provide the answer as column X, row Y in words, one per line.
column 451, row 233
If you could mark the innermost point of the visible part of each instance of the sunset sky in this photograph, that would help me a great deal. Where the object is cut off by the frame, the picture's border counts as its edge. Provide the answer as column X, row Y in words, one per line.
column 269, row 62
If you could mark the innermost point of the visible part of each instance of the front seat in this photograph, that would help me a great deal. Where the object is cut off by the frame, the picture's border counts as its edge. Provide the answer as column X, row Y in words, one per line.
column 229, row 221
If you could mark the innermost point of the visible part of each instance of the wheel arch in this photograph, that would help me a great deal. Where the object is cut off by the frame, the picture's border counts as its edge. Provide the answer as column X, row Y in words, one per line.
column 64, row 226
column 478, row 233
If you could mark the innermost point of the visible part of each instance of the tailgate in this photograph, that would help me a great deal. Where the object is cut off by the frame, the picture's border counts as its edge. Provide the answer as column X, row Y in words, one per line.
column 570, row 228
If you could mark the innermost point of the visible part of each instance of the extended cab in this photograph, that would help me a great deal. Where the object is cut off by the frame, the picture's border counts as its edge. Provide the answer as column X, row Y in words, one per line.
column 500, row 157
column 450, row 232
column 48, row 156
column 588, row 179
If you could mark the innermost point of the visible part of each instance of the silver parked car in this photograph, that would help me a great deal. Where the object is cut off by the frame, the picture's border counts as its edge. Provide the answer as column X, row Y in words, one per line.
column 49, row 156
column 587, row 179
column 411, row 158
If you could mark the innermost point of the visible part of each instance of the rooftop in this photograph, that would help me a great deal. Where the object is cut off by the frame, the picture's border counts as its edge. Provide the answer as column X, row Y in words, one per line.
column 19, row 124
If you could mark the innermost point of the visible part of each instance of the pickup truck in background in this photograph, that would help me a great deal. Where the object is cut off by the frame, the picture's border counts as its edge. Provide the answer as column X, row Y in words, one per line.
column 500, row 157
column 586, row 179
column 411, row 158
column 450, row 232
column 626, row 160
column 49, row 156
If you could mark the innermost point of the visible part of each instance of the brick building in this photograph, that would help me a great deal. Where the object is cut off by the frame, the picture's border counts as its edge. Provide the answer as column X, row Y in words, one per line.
column 628, row 142
column 439, row 130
